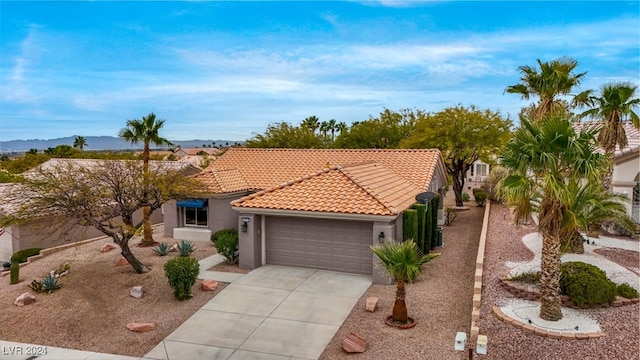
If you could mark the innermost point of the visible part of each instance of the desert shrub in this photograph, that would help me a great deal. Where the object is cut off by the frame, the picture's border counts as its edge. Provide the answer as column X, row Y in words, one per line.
column 162, row 249
column 465, row 197
column 496, row 175
column 480, row 196
column 216, row 235
column 182, row 273
column 22, row 255
column 409, row 224
column 185, row 248
column 227, row 246
column 626, row 291
column 586, row 284
column 529, row 277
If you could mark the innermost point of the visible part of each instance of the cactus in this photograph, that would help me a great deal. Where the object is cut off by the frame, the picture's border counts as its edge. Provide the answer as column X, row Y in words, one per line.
column 15, row 271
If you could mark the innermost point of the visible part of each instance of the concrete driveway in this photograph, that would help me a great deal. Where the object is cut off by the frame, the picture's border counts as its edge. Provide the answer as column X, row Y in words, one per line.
column 273, row 312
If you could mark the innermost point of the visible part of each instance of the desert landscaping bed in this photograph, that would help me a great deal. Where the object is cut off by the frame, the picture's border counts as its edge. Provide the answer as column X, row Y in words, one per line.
column 93, row 307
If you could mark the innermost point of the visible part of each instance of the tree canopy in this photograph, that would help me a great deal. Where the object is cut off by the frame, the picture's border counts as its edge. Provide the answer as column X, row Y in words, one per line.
column 463, row 135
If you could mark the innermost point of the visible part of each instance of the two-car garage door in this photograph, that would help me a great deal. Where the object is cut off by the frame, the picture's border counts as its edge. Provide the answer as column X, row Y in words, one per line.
column 336, row 245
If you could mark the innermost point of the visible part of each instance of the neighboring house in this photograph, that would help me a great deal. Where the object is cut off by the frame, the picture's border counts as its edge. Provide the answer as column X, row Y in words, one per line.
column 37, row 233
column 626, row 169
column 182, row 152
column 478, row 171
column 306, row 207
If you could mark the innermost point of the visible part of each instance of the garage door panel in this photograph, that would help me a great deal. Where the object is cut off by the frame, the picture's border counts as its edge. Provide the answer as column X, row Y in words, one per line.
column 322, row 244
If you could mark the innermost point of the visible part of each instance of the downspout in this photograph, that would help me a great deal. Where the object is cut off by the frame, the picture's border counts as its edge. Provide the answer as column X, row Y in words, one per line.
column 263, row 238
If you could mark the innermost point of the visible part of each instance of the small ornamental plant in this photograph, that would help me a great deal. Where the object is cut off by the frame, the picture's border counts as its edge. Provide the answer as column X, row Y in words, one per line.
column 182, row 273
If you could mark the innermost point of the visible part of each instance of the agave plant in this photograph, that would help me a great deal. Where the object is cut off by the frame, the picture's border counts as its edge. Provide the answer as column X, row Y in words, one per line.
column 185, row 248
column 162, row 249
column 49, row 284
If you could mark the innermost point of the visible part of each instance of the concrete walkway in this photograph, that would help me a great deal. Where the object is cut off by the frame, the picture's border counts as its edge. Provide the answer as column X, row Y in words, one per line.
column 271, row 313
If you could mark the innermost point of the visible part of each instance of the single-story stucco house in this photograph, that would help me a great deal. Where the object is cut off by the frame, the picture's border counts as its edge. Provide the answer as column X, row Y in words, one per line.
column 38, row 233
column 315, row 208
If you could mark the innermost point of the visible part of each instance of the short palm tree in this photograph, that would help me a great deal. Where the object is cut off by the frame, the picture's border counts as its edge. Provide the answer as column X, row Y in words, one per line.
column 552, row 79
column 146, row 131
column 403, row 262
column 80, row 142
column 546, row 157
column 614, row 105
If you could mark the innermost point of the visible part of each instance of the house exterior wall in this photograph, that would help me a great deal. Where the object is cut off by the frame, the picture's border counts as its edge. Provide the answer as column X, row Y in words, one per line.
column 626, row 174
column 222, row 215
column 171, row 219
column 478, row 172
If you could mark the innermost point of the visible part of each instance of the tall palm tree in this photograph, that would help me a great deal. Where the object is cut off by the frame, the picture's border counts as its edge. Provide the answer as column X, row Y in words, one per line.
column 546, row 157
column 614, row 105
column 311, row 123
column 403, row 262
column 146, row 131
column 341, row 126
column 551, row 80
column 332, row 128
column 80, row 142
column 324, row 127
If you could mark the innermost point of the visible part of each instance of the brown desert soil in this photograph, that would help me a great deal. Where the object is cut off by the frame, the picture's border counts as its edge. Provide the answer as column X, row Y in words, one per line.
column 92, row 309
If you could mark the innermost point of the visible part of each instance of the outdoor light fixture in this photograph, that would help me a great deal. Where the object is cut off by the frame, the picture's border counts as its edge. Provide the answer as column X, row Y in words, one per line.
column 245, row 224
column 461, row 341
column 481, row 345
column 381, row 237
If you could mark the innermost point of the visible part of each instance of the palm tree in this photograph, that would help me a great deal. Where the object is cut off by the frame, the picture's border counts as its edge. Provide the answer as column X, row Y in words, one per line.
column 551, row 80
column 324, row 127
column 341, row 126
column 147, row 132
column 403, row 262
column 613, row 107
column 80, row 142
column 332, row 128
column 311, row 123
column 546, row 157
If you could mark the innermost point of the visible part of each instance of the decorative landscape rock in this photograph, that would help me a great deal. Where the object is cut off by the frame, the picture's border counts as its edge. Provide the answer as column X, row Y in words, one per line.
column 136, row 292
column 122, row 261
column 173, row 248
column 372, row 304
column 108, row 247
column 209, row 285
column 354, row 343
column 141, row 327
column 24, row 299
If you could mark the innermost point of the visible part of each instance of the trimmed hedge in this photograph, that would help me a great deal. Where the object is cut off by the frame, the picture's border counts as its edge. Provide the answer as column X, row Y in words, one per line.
column 422, row 225
column 626, row 291
column 409, row 224
column 22, row 255
column 217, row 234
column 433, row 213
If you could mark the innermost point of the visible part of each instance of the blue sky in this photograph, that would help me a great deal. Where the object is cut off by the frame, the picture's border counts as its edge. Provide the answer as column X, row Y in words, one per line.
column 225, row 70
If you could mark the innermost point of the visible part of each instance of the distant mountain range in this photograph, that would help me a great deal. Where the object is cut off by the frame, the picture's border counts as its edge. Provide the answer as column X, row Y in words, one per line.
column 99, row 143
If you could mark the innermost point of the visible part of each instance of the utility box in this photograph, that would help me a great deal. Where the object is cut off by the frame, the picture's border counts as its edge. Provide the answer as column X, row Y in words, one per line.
column 481, row 345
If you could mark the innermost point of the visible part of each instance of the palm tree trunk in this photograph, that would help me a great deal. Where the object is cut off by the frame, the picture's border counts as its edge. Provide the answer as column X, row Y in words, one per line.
column 550, row 279
column 400, row 307
column 147, row 231
column 607, row 173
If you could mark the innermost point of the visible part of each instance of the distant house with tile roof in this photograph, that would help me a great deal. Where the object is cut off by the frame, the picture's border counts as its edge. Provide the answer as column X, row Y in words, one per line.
column 626, row 167
column 318, row 208
column 38, row 232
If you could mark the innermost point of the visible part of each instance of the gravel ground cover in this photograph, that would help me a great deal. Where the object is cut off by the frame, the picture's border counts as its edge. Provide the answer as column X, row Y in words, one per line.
column 93, row 307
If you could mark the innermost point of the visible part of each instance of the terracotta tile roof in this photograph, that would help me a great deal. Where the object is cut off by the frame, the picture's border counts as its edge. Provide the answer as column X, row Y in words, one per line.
column 364, row 189
column 265, row 168
column 633, row 136
column 223, row 181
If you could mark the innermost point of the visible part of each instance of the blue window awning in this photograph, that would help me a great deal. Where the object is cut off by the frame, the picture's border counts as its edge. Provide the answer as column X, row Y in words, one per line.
column 192, row 203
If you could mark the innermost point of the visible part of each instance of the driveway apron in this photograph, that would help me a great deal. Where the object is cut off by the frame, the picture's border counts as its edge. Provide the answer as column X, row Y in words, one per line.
column 273, row 312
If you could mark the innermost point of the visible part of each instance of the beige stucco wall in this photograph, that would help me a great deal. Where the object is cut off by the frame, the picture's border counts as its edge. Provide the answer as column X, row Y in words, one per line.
column 625, row 176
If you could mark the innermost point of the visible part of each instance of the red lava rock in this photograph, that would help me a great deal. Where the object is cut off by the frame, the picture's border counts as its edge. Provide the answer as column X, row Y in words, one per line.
column 354, row 343
column 141, row 327
column 372, row 304
column 24, row 299
column 209, row 285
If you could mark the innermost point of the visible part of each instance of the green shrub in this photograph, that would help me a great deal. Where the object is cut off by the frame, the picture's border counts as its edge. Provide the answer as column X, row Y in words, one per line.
column 433, row 213
column 586, row 284
column 409, row 224
column 626, row 291
column 185, row 248
column 227, row 246
column 529, row 277
column 480, row 196
column 216, row 235
column 465, row 197
column 22, row 255
column 162, row 249
column 49, row 284
column 182, row 273
column 422, row 226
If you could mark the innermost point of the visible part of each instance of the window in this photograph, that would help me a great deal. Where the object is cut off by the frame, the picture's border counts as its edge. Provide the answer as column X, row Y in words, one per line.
column 195, row 216
column 481, row 170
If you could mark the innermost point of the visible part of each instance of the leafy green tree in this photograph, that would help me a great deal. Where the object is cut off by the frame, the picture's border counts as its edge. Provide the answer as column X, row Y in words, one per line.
column 384, row 132
column 546, row 157
column 147, row 131
column 614, row 106
column 285, row 135
column 463, row 135
column 403, row 261
column 80, row 142
column 549, row 81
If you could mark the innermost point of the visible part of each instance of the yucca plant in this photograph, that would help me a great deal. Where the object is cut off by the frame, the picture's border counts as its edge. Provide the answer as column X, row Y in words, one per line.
column 162, row 249
column 185, row 248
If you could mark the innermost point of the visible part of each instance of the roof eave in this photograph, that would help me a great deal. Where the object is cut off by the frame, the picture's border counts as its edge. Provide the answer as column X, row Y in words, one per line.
column 315, row 214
